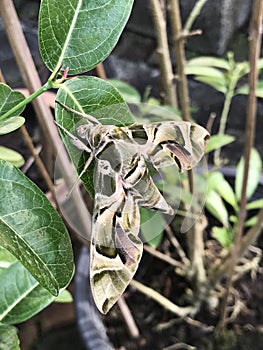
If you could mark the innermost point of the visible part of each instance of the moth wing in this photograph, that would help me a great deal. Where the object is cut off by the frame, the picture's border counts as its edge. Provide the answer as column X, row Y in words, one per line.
column 171, row 143
column 115, row 247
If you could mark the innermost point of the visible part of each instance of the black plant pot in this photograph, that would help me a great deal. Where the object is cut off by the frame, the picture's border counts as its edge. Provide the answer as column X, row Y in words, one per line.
column 91, row 327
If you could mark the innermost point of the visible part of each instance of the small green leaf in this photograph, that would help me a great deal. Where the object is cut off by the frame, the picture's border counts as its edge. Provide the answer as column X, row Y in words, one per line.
column 9, row 99
column 95, row 97
column 152, row 226
column 205, row 72
column 216, row 207
column 257, row 204
column 251, row 221
column 11, row 124
column 8, row 338
column 218, row 141
column 64, row 297
column 244, row 90
column 209, row 61
column 11, row 156
column 218, row 84
column 128, row 92
column 21, row 295
column 217, row 182
column 255, row 169
column 32, row 230
column 80, row 34
column 223, row 236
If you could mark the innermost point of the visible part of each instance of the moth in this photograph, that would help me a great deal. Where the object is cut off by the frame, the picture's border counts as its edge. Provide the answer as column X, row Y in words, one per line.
column 122, row 184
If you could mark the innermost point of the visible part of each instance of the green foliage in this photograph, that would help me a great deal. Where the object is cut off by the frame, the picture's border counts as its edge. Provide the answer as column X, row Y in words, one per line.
column 80, row 34
column 11, row 156
column 8, row 338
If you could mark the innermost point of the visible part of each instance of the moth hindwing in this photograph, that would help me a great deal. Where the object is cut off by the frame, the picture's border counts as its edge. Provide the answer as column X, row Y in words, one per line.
column 122, row 183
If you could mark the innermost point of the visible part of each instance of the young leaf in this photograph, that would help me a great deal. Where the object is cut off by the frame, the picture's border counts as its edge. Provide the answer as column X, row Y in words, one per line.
column 95, row 97
column 205, row 71
column 9, row 99
column 223, row 236
column 255, row 169
column 216, row 207
column 244, row 90
column 64, row 297
column 218, row 141
column 11, row 124
column 128, row 92
column 21, row 296
column 257, row 204
column 8, row 338
column 218, row 84
column 80, row 34
column 32, row 230
column 217, row 182
column 11, row 156
column 209, row 61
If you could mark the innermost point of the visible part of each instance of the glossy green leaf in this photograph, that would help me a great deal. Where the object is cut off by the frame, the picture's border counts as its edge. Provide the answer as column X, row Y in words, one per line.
column 32, row 230
column 11, row 156
column 21, row 296
column 223, row 236
column 218, row 141
column 152, row 226
column 11, row 124
column 209, row 61
column 255, row 170
column 128, row 92
column 9, row 99
column 8, row 338
column 217, row 182
column 215, row 205
column 97, row 98
column 80, row 34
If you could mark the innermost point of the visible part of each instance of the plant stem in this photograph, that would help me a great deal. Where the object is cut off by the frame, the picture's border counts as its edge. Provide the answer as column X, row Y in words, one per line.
column 166, row 303
column 255, row 37
column 193, row 15
column 178, row 42
column 166, row 68
column 27, row 100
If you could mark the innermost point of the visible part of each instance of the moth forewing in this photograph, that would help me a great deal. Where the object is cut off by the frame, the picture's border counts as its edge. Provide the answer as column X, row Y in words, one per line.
column 115, row 248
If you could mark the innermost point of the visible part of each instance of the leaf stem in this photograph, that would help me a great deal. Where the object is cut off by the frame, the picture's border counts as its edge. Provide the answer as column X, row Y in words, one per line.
column 27, row 100
column 193, row 15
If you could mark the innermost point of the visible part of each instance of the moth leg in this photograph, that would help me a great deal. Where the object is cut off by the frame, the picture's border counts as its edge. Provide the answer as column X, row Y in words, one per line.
column 89, row 117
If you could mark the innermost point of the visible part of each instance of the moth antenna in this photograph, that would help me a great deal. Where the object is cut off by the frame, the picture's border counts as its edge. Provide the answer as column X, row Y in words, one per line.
column 87, row 164
column 89, row 117
column 76, row 141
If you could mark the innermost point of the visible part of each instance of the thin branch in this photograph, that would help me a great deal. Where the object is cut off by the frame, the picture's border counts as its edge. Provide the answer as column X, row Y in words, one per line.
column 163, row 257
column 255, row 37
column 193, row 15
column 166, row 303
column 176, row 24
column 166, row 68
column 128, row 318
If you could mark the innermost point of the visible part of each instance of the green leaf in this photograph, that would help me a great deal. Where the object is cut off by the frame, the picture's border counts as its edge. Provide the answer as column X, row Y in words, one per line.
column 11, row 124
column 95, row 97
column 216, row 207
column 8, row 338
column 32, row 230
column 257, row 204
column 205, row 72
column 218, row 84
column 209, row 61
column 11, row 156
column 64, row 297
column 255, row 169
column 244, row 90
column 223, row 236
column 9, row 99
column 218, row 141
column 80, row 34
column 251, row 221
column 217, row 182
column 21, row 296
column 128, row 92
column 152, row 226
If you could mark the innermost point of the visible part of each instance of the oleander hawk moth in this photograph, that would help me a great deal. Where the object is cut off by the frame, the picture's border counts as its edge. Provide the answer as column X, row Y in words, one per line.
column 122, row 184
